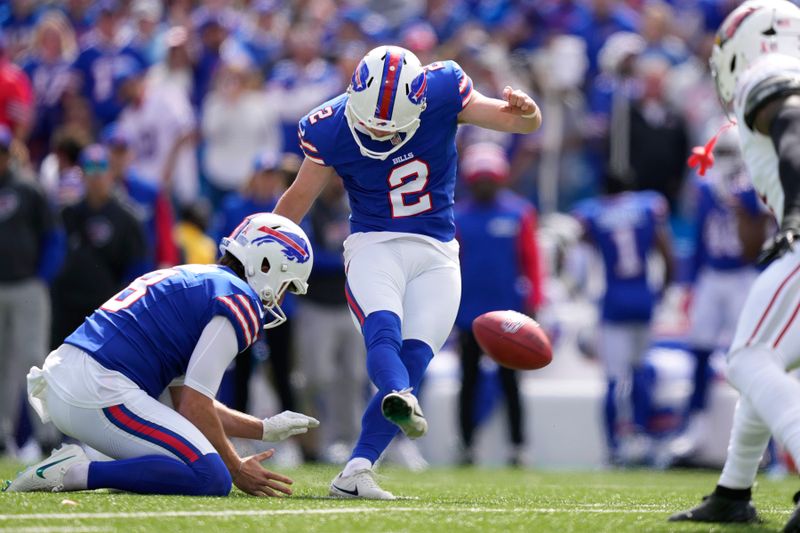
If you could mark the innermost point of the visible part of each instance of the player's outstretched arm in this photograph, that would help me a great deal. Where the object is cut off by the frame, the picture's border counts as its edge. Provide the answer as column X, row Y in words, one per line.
column 298, row 199
column 515, row 113
column 247, row 473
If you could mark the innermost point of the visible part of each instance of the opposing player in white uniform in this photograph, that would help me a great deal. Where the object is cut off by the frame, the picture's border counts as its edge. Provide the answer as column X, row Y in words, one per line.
column 179, row 328
column 756, row 64
column 391, row 137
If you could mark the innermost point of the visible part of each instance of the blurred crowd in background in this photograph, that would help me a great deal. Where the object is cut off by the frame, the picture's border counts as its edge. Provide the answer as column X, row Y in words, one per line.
column 135, row 133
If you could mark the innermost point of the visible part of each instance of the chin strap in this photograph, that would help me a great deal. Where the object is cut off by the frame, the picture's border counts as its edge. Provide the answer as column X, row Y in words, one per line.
column 703, row 156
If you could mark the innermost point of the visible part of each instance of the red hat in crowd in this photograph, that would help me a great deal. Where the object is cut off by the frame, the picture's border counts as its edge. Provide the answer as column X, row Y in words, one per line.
column 485, row 160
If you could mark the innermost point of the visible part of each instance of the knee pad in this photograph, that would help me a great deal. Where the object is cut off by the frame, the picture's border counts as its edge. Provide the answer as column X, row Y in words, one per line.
column 213, row 476
column 416, row 355
column 746, row 365
column 382, row 327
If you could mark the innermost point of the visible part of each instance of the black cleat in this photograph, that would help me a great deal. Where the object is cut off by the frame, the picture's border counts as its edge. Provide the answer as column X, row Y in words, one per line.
column 716, row 508
column 793, row 525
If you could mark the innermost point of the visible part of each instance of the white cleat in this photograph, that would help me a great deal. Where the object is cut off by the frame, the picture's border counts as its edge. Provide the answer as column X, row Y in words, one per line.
column 48, row 475
column 402, row 408
column 362, row 484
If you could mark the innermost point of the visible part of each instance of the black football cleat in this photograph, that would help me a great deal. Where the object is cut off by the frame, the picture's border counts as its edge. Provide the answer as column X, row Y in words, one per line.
column 719, row 509
column 793, row 525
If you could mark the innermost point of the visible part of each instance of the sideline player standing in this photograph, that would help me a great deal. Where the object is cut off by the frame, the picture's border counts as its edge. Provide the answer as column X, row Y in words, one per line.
column 756, row 66
column 101, row 386
column 391, row 137
column 626, row 227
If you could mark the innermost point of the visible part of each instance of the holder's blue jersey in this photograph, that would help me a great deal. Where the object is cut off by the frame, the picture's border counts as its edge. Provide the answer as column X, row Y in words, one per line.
column 717, row 238
column 149, row 330
column 624, row 227
column 412, row 190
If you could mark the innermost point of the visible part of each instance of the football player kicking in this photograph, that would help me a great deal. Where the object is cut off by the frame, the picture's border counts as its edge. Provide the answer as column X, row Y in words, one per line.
column 756, row 65
column 178, row 328
column 391, row 137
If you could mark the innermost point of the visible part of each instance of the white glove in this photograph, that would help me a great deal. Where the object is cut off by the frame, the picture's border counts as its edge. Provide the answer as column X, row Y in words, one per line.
column 286, row 424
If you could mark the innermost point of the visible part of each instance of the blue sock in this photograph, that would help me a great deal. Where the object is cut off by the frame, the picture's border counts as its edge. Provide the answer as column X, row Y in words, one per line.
column 610, row 412
column 383, row 337
column 702, row 379
column 644, row 379
column 376, row 431
column 158, row 474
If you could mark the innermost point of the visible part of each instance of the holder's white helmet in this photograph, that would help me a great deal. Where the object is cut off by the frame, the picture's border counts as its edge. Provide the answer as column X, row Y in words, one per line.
column 387, row 93
column 754, row 29
column 276, row 257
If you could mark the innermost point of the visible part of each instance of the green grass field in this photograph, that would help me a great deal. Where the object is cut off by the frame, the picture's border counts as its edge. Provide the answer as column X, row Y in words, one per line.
column 436, row 500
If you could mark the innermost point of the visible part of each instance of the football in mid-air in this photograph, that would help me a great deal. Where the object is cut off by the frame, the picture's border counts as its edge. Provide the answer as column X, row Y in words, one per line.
column 513, row 340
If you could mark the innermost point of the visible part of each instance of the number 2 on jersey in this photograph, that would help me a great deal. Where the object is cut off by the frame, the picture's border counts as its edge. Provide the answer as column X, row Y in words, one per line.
column 138, row 288
column 409, row 178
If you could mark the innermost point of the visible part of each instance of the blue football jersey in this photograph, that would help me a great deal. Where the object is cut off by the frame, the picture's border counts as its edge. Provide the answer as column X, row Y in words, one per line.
column 717, row 236
column 624, row 227
column 149, row 330
column 412, row 190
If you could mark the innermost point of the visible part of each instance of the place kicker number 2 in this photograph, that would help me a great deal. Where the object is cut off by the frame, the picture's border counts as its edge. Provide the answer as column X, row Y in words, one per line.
column 409, row 178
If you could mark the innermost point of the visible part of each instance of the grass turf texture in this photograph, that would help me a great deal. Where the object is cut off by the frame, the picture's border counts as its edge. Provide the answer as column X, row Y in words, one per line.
column 437, row 500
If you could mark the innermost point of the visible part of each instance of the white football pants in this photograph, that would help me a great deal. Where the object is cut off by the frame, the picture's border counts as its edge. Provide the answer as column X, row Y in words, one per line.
column 766, row 345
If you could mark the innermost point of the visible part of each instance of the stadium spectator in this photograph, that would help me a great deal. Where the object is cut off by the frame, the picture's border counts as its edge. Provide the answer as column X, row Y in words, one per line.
column 190, row 233
column 105, row 247
column 301, row 81
column 60, row 173
column 501, row 269
column 148, row 31
column 658, row 137
column 161, row 126
column 175, row 68
column 329, row 347
column 263, row 34
column 239, row 121
column 626, row 227
column 213, row 31
column 16, row 101
column 32, row 248
column 150, row 205
column 657, row 23
column 602, row 19
column 48, row 67
column 18, row 23
column 105, row 53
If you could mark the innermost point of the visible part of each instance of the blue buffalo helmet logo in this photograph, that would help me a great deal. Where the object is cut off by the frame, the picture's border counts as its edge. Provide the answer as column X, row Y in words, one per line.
column 294, row 246
column 418, row 88
column 360, row 77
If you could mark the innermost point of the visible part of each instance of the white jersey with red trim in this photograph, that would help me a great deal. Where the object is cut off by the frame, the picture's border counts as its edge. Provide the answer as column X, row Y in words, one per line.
column 149, row 330
column 757, row 149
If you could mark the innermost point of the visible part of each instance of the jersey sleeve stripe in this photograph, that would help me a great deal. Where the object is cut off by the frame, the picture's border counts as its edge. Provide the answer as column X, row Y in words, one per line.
column 245, row 303
column 239, row 316
column 467, row 97
column 308, row 146
column 315, row 159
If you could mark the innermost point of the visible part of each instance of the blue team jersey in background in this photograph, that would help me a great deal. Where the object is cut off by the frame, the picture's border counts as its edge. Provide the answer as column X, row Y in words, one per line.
column 412, row 190
column 624, row 227
column 717, row 237
column 149, row 330
column 491, row 264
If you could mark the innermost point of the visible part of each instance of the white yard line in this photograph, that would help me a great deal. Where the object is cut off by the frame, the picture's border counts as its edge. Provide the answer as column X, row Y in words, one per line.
column 344, row 510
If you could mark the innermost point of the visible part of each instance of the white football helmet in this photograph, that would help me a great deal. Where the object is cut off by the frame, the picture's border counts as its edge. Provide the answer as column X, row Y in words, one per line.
column 276, row 256
column 754, row 29
column 387, row 93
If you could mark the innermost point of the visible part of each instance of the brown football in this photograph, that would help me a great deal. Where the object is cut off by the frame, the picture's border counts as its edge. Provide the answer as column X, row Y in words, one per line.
column 513, row 340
